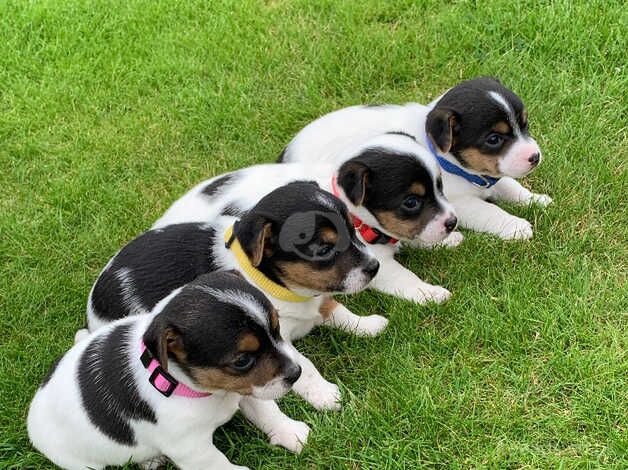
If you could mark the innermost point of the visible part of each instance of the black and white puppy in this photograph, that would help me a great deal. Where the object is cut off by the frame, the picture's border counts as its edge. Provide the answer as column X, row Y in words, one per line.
column 296, row 244
column 160, row 384
column 391, row 184
column 478, row 131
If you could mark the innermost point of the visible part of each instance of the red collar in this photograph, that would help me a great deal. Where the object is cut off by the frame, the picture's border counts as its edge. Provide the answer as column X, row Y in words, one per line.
column 370, row 234
column 165, row 383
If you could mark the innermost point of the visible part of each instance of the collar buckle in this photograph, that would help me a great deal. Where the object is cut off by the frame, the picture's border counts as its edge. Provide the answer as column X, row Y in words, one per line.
column 163, row 382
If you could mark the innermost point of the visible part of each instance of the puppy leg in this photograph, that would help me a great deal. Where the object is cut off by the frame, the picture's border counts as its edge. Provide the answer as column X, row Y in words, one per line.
column 282, row 430
column 392, row 278
column 509, row 189
column 339, row 316
column 450, row 241
column 197, row 452
column 482, row 216
column 317, row 391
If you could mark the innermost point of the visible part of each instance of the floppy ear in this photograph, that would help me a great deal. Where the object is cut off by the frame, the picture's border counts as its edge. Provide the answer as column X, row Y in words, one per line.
column 353, row 177
column 441, row 126
column 160, row 341
column 253, row 232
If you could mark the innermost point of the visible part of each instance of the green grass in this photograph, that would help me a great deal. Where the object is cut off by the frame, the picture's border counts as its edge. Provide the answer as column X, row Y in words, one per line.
column 110, row 110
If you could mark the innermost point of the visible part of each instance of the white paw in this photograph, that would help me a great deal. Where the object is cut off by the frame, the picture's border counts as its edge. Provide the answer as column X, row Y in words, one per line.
column 371, row 325
column 291, row 435
column 542, row 200
column 80, row 335
column 154, row 463
column 428, row 293
column 239, row 467
column 323, row 396
column 453, row 239
column 516, row 229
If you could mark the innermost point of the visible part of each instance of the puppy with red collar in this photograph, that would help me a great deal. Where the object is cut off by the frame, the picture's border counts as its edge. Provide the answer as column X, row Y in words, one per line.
column 153, row 385
column 295, row 243
column 477, row 131
column 390, row 183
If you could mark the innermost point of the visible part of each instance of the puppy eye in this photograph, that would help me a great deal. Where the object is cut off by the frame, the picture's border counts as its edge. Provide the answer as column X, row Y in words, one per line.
column 323, row 249
column 494, row 140
column 411, row 202
column 244, row 363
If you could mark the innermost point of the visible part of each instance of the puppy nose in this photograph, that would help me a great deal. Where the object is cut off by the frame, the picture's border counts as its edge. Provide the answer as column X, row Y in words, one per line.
column 535, row 158
column 450, row 223
column 293, row 374
column 371, row 268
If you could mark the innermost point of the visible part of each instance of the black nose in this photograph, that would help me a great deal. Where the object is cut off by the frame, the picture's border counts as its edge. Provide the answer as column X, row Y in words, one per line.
column 371, row 268
column 535, row 158
column 293, row 374
column 450, row 223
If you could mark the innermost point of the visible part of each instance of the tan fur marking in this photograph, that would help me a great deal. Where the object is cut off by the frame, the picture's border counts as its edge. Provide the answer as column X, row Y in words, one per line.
column 502, row 127
column 328, row 305
column 303, row 274
column 248, row 343
column 417, row 188
column 400, row 228
column 259, row 252
column 212, row 378
column 329, row 235
column 274, row 320
column 524, row 117
column 480, row 162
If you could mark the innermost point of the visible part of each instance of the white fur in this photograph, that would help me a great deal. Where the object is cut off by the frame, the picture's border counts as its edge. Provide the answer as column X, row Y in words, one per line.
column 249, row 185
column 58, row 424
column 327, row 139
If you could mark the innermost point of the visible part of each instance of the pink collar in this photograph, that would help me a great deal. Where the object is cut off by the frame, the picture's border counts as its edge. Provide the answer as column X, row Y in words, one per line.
column 165, row 383
column 370, row 234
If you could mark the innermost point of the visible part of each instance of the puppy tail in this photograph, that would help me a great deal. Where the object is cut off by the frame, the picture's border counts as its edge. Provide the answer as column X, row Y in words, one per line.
column 80, row 335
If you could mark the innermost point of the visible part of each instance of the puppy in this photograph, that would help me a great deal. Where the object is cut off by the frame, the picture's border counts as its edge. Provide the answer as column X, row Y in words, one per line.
column 154, row 385
column 391, row 184
column 296, row 244
column 478, row 132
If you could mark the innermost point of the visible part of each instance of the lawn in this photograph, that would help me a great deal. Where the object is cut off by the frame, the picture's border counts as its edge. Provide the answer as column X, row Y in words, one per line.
column 110, row 110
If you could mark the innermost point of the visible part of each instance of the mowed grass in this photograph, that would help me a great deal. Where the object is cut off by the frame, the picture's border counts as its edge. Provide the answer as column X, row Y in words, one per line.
column 110, row 110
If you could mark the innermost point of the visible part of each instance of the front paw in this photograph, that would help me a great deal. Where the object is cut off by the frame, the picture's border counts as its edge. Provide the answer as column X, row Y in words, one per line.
column 428, row 293
column 292, row 435
column 516, row 229
column 542, row 200
column 323, row 396
column 371, row 325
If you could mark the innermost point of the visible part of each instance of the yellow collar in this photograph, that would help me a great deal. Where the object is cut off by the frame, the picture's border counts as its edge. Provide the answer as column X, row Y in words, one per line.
column 260, row 279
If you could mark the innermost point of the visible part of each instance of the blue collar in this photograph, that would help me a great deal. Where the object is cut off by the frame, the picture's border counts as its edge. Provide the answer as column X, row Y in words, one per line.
column 483, row 181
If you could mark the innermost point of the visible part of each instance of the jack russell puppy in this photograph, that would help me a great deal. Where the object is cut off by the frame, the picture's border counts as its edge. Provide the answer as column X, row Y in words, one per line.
column 155, row 385
column 296, row 244
column 390, row 183
column 478, row 133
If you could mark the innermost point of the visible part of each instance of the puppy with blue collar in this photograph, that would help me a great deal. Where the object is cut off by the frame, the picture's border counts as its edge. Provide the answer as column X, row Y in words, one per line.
column 296, row 244
column 391, row 185
column 477, row 131
column 159, row 384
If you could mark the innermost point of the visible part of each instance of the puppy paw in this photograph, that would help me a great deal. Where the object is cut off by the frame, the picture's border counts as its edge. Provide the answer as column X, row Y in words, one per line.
column 542, row 200
column 156, row 463
column 371, row 325
column 324, row 396
column 429, row 293
column 291, row 435
column 517, row 229
column 80, row 335
column 453, row 239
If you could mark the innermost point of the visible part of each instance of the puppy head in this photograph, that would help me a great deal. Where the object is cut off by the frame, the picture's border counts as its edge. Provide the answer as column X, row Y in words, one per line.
column 484, row 126
column 398, row 183
column 224, row 335
column 301, row 237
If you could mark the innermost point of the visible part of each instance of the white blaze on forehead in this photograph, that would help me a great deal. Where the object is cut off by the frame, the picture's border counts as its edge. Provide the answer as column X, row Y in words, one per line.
column 245, row 301
column 503, row 103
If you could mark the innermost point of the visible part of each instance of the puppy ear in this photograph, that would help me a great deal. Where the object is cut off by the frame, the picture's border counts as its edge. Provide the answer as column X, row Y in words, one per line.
column 353, row 178
column 253, row 232
column 161, row 341
column 441, row 126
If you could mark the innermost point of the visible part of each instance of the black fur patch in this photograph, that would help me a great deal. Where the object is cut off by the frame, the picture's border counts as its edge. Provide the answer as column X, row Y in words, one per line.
column 402, row 133
column 108, row 389
column 155, row 263
column 232, row 210
column 215, row 186
column 51, row 371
